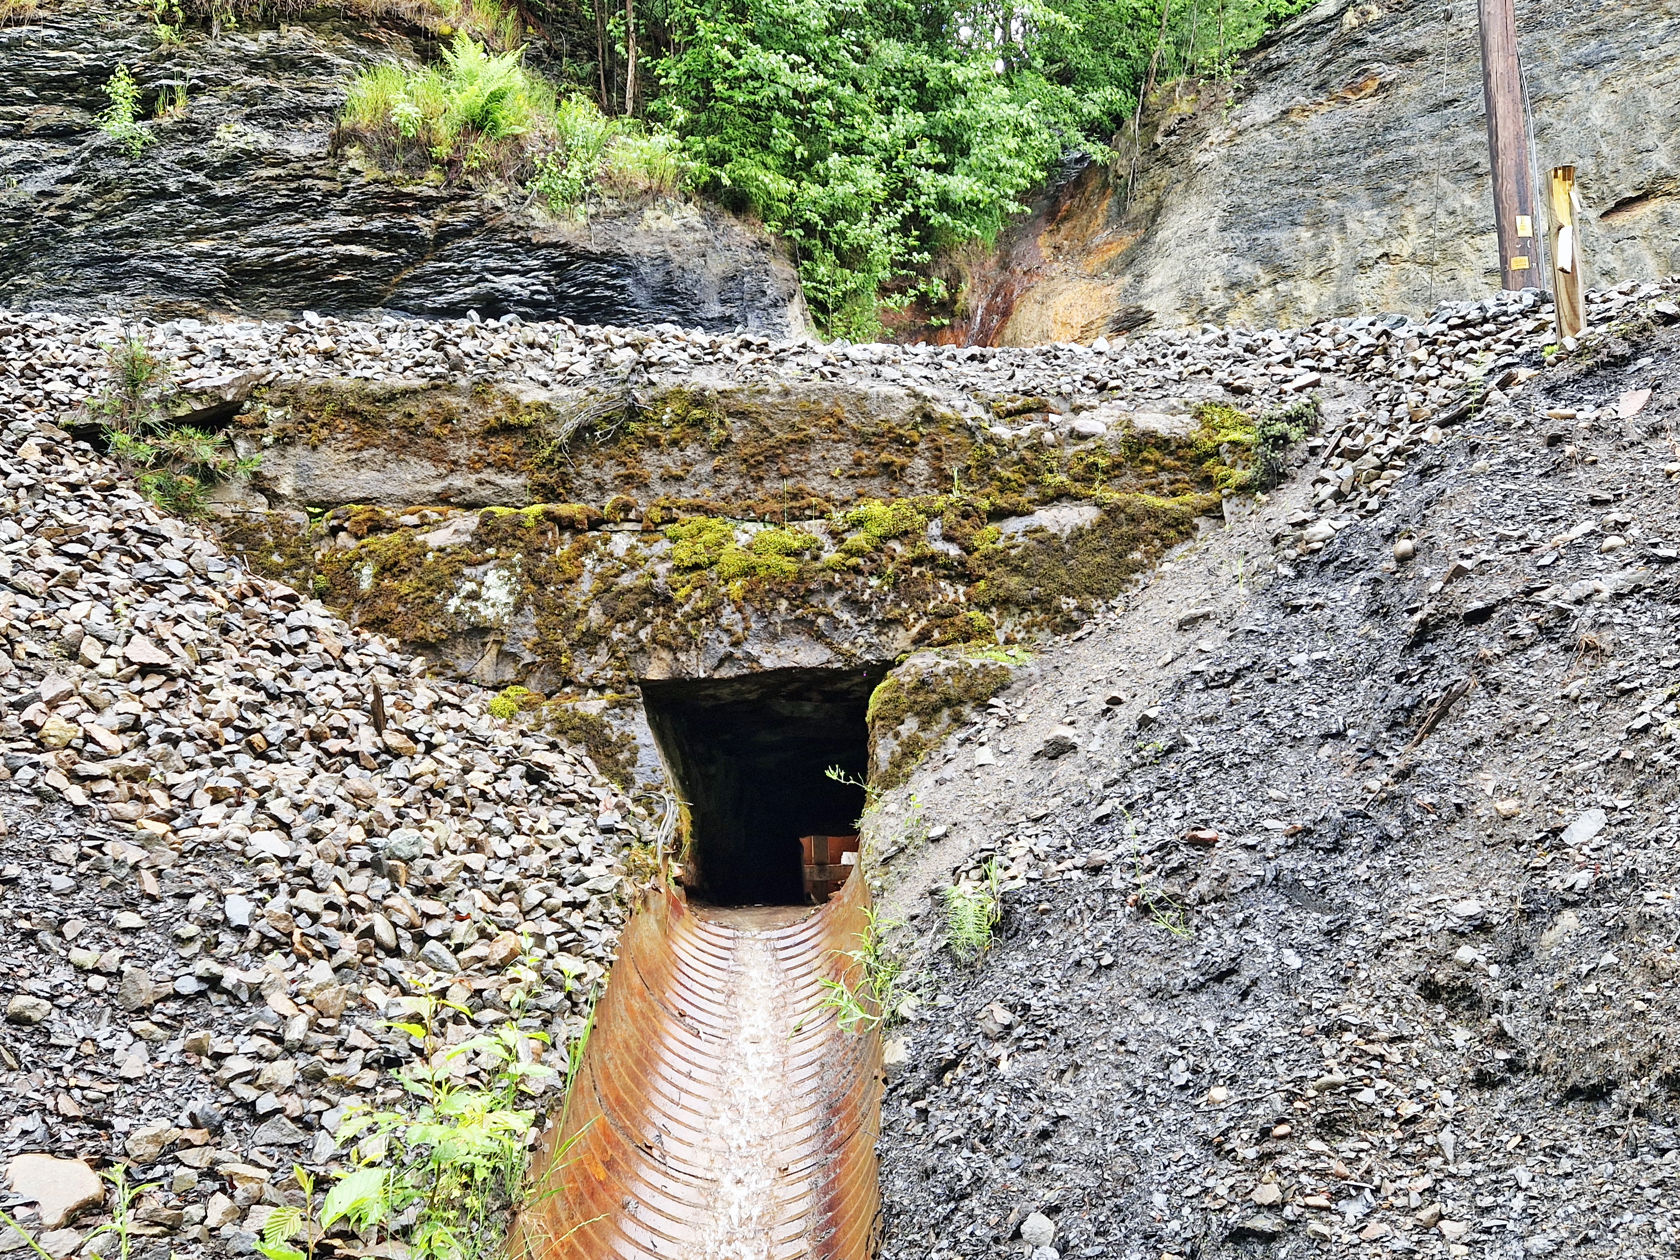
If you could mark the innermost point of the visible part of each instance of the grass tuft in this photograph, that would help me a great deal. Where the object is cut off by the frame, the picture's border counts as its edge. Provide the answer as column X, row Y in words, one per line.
column 972, row 911
column 175, row 466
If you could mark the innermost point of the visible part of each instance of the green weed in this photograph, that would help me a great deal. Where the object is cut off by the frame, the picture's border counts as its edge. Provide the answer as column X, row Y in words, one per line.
column 972, row 912
column 838, row 774
column 471, row 113
column 875, row 1002
column 436, row 1172
column 118, row 119
column 121, row 1224
column 167, row 20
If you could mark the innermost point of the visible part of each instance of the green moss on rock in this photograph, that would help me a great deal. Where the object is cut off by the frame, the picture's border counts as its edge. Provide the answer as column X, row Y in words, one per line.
column 918, row 703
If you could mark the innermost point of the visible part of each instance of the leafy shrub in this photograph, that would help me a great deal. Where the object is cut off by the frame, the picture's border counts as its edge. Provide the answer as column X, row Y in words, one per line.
column 566, row 173
column 118, row 119
column 640, row 162
column 875, row 134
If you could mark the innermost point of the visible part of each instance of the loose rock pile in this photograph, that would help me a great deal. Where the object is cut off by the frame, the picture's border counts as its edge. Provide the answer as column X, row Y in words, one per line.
column 1403, row 368
column 1340, row 887
column 237, row 835
column 241, row 833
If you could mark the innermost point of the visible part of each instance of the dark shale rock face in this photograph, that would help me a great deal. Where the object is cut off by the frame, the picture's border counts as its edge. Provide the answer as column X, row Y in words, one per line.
column 1348, row 173
column 240, row 206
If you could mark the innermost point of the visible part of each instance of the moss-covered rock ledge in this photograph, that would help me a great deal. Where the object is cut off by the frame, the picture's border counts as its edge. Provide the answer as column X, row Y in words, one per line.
column 572, row 543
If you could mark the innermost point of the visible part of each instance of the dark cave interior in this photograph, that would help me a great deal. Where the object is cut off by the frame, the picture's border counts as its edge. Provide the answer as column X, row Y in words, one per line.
column 750, row 755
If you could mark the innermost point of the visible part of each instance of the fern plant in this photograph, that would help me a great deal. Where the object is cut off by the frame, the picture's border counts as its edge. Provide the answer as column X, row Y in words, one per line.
column 972, row 911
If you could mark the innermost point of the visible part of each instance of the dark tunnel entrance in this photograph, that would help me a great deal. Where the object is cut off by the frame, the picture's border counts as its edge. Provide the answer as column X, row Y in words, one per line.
column 750, row 755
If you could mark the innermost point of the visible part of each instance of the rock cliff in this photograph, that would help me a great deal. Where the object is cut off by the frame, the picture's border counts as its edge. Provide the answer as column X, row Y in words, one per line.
column 240, row 205
column 1346, row 170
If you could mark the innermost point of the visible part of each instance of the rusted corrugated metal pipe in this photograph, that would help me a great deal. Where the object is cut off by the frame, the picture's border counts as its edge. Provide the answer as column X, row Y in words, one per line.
column 720, row 1113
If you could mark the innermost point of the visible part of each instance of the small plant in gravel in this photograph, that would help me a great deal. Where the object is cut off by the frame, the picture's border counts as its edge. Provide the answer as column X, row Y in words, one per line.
column 1148, row 898
column 1275, row 432
column 173, row 465
column 875, row 1002
column 436, row 1173
column 119, row 118
column 972, row 912
column 120, row 1228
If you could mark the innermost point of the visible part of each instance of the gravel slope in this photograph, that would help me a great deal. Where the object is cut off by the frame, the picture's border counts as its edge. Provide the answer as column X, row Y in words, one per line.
column 239, row 834
column 236, row 836
column 1342, row 907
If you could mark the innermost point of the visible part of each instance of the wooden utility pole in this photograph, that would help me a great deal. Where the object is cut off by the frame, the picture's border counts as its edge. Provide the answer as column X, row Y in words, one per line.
column 1513, row 188
column 1566, row 254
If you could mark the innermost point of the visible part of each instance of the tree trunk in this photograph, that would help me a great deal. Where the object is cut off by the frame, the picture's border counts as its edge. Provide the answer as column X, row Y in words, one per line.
column 629, row 58
column 601, row 52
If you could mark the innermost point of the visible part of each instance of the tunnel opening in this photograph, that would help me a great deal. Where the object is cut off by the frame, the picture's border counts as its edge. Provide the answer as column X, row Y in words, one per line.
column 751, row 757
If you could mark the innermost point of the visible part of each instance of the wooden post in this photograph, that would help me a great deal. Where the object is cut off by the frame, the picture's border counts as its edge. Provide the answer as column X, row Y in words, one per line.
column 1513, row 188
column 1566, row 254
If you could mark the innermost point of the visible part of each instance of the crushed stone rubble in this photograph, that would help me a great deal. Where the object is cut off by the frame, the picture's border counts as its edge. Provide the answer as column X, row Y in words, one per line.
column 1340, row 888
column 1405, row 368
column 236, row 837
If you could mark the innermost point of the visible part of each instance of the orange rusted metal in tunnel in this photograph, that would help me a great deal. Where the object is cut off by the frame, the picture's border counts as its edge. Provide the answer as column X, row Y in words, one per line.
column 720, row 1112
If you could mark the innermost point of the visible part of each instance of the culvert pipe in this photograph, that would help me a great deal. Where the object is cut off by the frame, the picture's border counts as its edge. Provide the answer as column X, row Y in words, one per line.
column 720, row 1112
